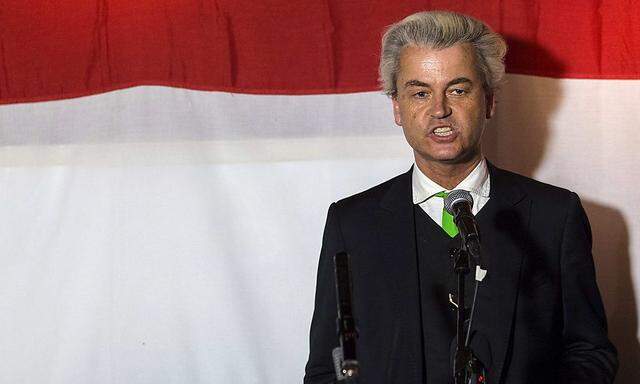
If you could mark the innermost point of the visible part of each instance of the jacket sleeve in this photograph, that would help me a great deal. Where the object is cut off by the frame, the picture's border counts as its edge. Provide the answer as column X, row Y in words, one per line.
column 323, row 334
column 588, row 355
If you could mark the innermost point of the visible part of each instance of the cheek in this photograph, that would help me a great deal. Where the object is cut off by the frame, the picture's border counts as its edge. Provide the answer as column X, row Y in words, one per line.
column 471, row 115
column 415, row 112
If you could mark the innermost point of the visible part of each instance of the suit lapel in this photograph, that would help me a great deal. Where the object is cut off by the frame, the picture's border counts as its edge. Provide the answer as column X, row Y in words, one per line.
column 397, row 247
column 397, row 236
column 503, row 223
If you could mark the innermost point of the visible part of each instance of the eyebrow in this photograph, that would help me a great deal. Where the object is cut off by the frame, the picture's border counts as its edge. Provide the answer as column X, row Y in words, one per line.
column 459, row 80
column 418, row 83
column 415, row 83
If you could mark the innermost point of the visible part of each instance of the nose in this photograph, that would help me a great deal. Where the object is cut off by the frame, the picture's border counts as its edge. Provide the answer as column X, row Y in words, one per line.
column 440, row 108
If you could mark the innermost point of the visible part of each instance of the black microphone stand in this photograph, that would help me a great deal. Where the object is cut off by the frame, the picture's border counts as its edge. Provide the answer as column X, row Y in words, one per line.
column 344, row 356
column 467, row 369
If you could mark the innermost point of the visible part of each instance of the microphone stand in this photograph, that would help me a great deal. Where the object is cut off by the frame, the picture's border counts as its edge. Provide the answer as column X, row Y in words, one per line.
column 344, row 356
column 467, row 369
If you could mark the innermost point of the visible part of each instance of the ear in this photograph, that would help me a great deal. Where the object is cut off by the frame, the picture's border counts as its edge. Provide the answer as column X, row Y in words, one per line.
column 490, row 104
column 396, row 110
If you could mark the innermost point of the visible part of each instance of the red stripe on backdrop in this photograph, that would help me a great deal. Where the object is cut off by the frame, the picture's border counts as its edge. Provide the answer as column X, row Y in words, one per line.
column 60, row 49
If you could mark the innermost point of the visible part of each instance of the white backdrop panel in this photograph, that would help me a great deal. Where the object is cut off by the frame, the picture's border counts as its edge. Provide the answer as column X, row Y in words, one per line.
column 173, row 274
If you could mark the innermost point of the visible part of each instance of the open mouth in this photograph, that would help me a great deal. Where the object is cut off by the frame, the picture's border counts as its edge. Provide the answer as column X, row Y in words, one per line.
column 443, row 131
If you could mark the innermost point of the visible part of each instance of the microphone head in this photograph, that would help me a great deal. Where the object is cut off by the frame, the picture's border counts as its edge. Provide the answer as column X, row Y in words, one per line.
column 457, row 196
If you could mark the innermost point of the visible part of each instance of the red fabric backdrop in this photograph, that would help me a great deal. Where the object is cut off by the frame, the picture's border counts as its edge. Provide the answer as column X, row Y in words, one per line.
column 60, row 49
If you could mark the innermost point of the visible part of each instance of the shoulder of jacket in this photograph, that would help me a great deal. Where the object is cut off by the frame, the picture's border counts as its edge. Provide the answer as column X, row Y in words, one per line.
column 371, row 196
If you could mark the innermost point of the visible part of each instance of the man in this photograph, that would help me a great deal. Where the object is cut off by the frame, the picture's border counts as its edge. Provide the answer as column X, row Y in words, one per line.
column 539, row 316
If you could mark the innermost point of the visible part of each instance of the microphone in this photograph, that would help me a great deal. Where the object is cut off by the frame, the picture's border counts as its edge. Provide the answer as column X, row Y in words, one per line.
column 344, row 356
column 459, row 203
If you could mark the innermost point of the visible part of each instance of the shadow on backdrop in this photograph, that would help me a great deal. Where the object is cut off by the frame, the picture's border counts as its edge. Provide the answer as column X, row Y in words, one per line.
column 612, row 259
column 517, row 136
column 516, row 140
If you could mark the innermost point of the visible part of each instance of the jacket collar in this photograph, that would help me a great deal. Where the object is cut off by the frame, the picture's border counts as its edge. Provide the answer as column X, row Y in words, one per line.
column 503, row 187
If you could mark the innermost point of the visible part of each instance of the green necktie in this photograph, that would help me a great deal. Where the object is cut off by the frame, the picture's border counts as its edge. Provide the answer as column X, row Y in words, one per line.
column 447, row 220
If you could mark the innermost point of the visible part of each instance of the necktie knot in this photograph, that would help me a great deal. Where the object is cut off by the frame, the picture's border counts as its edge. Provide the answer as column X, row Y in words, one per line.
column 442, row 194
column 447, row 220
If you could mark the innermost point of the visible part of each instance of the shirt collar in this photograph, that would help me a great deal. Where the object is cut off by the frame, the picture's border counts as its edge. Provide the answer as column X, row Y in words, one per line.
column 477, row 183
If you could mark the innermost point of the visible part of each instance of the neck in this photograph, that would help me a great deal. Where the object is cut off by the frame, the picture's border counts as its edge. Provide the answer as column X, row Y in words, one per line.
column 447, row 175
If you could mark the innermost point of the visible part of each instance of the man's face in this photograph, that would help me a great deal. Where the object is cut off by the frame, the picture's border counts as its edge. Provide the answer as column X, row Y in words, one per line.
column 441, row 104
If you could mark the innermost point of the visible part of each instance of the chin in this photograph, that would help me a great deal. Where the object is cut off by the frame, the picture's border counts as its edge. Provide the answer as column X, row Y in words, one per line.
column 456, row 158
column 448, row 157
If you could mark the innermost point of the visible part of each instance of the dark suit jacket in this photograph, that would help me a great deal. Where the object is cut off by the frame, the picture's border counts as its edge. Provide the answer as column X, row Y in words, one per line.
column 539, row 318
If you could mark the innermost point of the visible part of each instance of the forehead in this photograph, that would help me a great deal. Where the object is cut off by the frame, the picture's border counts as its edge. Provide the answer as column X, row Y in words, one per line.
column 421, row 62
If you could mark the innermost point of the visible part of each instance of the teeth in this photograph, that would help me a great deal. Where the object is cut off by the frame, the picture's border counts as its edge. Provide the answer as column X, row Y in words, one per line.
column 443, row 131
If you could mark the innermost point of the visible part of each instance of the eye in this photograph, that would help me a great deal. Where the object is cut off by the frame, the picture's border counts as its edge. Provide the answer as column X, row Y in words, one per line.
column 458, row 91
column 421, row 95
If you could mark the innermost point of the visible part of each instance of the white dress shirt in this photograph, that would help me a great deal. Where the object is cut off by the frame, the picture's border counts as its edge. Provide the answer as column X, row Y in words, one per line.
column 424, row 189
